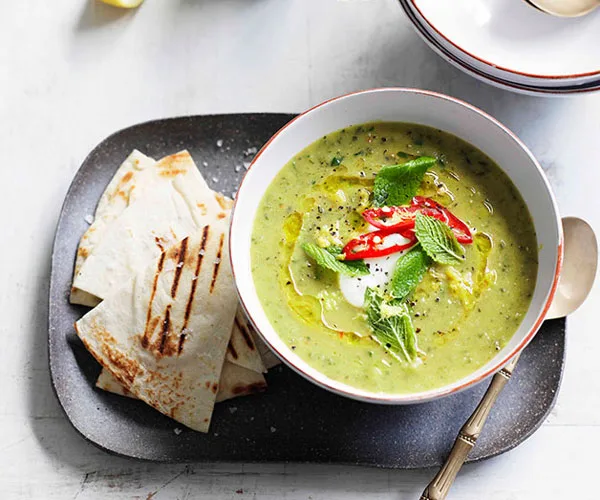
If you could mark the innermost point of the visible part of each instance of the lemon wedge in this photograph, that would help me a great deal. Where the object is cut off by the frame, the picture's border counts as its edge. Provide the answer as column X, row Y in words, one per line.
column 124, row 4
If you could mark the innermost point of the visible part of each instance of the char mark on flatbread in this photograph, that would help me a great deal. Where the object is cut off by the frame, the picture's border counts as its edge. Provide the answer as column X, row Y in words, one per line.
column 163, row 346
column 182, row 337
column 150, row 324
column 125, row 369
column 245, row 334
column 188, row 307
column 164, row 333
column 231, row 350
column 159, row 244
column 249, row 388
column 180, row 261
column 217, row 264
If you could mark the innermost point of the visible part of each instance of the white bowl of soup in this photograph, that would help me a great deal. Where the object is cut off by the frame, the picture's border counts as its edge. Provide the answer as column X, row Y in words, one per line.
column 395, row 245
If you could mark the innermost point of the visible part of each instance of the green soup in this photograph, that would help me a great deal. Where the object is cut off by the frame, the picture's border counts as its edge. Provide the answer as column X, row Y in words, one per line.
column 462, row 313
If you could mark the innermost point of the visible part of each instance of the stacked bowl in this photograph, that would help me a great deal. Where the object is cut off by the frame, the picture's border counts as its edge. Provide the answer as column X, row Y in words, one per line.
column 512, row 45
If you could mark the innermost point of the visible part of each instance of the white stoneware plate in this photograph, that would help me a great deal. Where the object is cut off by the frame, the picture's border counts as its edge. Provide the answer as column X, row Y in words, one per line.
column 511, row 40
column 485, row 77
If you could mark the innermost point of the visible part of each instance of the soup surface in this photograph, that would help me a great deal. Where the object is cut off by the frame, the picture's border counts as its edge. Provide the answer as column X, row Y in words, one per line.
column 383, row 290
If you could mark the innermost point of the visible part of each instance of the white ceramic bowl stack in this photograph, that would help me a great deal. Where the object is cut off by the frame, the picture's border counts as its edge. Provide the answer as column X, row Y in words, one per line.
column 512, row 45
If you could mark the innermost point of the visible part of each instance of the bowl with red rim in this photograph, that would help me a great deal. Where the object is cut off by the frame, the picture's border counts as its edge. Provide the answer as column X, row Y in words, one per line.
column 413, row 106
column 512, row 44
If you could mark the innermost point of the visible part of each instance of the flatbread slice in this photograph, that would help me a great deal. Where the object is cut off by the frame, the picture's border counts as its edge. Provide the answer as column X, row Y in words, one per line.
column 269, row 358
column 135, row 192
column 242, row 349
column 164, row 334
column 116, row 197
column 235, row 381
column 166, row 213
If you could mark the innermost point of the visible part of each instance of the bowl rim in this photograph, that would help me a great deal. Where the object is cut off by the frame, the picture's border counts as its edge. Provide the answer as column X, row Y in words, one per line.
column 496, row 81
column 451, row 388
column 502, row 68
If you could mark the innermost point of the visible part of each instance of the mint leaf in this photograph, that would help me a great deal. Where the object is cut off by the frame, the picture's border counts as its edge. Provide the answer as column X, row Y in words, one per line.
column 408, row 273
column 391, row 325
column 438, row 240
column 397, row 184
column 326, row 257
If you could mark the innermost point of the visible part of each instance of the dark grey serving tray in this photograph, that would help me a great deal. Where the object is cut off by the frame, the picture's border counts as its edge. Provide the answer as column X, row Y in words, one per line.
column 294, row 421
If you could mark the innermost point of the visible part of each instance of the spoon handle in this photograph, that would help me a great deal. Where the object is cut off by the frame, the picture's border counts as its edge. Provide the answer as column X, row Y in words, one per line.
column 467, row 437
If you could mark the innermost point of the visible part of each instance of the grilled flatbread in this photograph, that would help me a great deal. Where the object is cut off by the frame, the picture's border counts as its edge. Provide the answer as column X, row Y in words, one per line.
column 269, row 358
column 164, row 334
column 117, row 196
column 243, row 349
column 168, row 211
column 147, row 206
column 235, row 381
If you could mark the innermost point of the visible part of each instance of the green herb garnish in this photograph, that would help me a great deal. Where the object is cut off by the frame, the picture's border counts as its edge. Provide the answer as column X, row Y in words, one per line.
column 327, row 258
column 408, row 273
column 336, row 161
column 438, row 240
column 391, row 325
column 397, row 184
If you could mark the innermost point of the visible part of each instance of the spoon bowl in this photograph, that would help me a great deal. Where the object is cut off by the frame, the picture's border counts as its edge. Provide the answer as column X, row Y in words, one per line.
column 579, row 267
column 565, row 8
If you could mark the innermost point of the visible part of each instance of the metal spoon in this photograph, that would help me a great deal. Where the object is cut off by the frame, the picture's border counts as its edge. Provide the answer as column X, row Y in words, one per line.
column 576, row 280
column 565, row 8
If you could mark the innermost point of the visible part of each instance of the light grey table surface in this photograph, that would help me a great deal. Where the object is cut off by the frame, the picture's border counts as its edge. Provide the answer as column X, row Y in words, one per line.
column 72, row 72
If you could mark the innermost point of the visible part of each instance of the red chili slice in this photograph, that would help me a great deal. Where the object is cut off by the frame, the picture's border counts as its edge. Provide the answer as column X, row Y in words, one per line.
column 460, row 229
column 376, row 244
column 402, row 219
column 392, row 218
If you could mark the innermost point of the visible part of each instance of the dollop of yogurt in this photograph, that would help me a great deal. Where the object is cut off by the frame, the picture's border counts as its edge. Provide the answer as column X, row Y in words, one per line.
column 381, row 270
